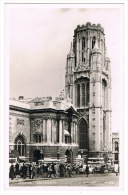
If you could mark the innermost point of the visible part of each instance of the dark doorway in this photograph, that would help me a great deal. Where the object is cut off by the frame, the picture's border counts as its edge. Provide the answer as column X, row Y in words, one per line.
column 68, row 154
column 83, row 134
column 36, row 156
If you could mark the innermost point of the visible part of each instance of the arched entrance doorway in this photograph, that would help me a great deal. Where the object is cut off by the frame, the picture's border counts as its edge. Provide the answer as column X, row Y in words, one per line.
column 69, row 155
column 83, row 134
column 20, row 145
column 37, row 155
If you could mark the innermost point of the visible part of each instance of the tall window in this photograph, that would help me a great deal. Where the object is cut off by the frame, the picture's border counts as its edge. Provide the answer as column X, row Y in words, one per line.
column 20, row 145
column 83, row 135
column 78, row 95
column 116, row 146
column 104, row 94
column 83, row 43
column 87, row 93
column 83, row 94
column 93, row 41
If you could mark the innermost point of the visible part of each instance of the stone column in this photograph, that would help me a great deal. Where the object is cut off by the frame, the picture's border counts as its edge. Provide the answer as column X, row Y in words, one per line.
column 80, row 95
column 76, row 133
column 44, row 134
column 60, row 131
column 49, row 130
column 54, row 130
column 71, row 132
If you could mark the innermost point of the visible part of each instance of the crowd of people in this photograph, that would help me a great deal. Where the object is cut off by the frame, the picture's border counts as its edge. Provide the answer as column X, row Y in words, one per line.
column 44, row 170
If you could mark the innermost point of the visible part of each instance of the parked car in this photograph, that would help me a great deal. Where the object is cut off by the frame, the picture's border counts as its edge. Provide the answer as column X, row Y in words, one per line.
column 82, row 169
column 99, row 169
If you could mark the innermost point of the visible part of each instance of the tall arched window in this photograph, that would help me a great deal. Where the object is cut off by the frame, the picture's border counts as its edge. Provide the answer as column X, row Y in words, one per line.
column 20, row 145
column 78, row 95
column 83, row 94
column 83, row 134
column 104, row 93
column 83, row 43
column 116, row 146
column 93, row 41
column 87, row 93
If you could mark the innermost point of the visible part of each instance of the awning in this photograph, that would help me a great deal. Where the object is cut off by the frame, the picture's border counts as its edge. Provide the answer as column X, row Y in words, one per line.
column 66, row 132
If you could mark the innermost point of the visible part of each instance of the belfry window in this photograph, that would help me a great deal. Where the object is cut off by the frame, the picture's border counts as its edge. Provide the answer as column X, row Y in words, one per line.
column 93, row 41
column 83, row 43
column 87, row 93
column 104, row 93
column 83, row 94
column 78, row 95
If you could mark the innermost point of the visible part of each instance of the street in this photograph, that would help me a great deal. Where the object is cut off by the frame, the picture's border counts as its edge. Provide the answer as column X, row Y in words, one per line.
column 98, row 180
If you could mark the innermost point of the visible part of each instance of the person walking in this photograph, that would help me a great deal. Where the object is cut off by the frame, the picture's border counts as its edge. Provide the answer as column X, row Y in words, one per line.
column 87, row 170
column 30, row 170
column 56, row 168
column 17, row 169
column 24, row 171
column 12, row 171
column 62, row 170
column 69, row 170
column 33, row 171
column 38, row 172
column 116, row 169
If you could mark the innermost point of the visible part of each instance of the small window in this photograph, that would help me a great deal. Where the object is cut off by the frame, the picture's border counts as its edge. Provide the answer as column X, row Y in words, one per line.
column 116, row 146
column 93, row 41
column 67, row 139
column 83, row 42
column 38, row 138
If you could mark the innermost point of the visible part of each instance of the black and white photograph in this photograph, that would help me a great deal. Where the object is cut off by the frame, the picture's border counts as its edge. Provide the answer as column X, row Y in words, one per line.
column 64, row 86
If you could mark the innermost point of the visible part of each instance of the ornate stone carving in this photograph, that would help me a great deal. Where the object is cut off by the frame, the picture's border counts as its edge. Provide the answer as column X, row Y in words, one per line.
column 38, row 123
column 20, row 122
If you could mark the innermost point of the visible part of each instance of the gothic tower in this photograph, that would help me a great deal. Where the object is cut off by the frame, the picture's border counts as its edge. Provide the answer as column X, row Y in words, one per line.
column 88, row 82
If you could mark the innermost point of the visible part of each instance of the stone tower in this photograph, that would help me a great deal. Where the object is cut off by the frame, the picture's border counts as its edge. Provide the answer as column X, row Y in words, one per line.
column 88, row 82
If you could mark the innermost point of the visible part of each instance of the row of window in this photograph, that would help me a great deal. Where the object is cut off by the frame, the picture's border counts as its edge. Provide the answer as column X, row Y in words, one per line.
column 84, row 42
column 84, row 94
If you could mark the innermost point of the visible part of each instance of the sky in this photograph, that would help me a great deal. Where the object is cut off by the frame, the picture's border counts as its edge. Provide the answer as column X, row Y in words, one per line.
column 37, row 41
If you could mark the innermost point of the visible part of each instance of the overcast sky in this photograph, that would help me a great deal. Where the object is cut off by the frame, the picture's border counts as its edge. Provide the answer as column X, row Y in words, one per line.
column 38, row 39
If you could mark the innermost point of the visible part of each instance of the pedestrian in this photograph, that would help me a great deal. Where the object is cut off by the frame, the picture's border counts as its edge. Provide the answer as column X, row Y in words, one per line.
column 69, row 170
column 87, row 170
column 12, row 171
column 116, row 169
column 53, row 169
column 56, row 168
column 17, row 169
column 42, row 170
column 38, row 171
column 49, row 170
column 24, row 171
column 33, row 171
column 30, row 170
column 62, row 170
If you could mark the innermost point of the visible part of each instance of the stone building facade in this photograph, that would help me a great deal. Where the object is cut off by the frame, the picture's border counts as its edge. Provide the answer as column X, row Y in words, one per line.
column 88, row 83
column 115, row 147
column 42, row 128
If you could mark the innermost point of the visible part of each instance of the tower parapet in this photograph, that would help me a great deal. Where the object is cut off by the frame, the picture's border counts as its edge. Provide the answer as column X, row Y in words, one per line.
column 89, row 26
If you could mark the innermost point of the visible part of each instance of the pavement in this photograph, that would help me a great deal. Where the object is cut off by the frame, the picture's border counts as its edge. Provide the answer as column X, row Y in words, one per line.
column 20, row 180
